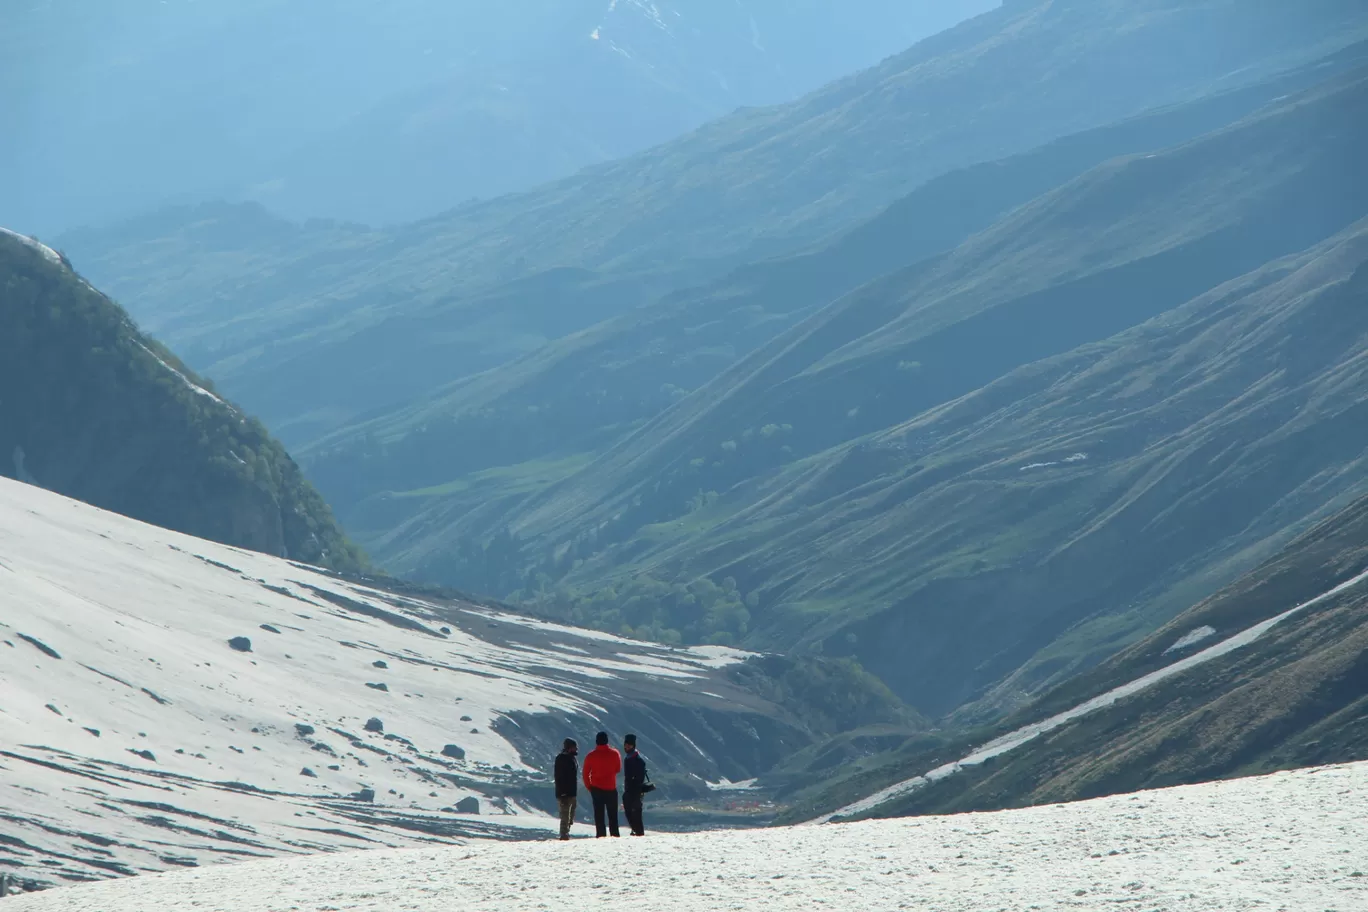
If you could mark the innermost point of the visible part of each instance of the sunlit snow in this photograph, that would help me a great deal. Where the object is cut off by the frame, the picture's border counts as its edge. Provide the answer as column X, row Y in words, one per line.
column 1291, row 841
column 134, row 737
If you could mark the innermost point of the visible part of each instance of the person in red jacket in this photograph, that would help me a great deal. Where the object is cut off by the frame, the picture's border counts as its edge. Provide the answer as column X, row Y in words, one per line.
column 601, row 768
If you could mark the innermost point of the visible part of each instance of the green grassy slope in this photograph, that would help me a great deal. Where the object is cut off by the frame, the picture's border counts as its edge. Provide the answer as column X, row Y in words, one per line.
column 942, row 529
column 758, row 183
column 569, row 398
column 93, row 409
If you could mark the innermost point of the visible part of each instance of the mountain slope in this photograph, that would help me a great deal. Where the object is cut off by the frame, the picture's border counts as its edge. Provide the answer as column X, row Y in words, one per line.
column 570, row 397
column 1293, row 835
column 1183, row 705
column 757, row 183
column 166, row 701
column 931, row 536
column 91, row 408
column 1040, row 522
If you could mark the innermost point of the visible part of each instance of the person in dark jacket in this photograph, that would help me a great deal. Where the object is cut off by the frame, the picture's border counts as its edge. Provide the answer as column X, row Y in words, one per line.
column 633, row 780
column 601, row 768
column 567, row 785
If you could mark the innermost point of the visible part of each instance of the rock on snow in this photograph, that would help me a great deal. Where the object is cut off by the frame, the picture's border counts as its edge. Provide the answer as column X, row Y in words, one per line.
column 1289, row 841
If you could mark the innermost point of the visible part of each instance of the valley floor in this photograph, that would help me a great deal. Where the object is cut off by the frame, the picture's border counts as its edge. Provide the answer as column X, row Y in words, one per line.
column 1289, row 841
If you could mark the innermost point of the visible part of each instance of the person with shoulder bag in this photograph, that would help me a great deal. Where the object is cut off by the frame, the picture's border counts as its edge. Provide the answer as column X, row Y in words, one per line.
column 636, row 782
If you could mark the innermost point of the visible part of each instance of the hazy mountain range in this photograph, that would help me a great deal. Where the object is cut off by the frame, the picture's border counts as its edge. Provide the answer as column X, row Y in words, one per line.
column 116, row 109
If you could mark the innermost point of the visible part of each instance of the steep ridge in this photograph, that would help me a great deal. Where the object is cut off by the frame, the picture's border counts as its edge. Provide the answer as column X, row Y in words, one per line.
column 93, row 409
column 574, row 396
column 168, row 702
column 1264, row 675
column 757, row 183
column 1039, row 523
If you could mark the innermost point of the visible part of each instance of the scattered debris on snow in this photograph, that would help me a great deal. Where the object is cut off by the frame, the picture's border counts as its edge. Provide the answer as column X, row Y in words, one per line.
column 172, row 743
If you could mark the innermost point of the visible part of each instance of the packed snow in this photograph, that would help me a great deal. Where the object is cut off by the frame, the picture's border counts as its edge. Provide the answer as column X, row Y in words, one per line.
column 1025, row 734
column 1290, row 841
column 135, row 736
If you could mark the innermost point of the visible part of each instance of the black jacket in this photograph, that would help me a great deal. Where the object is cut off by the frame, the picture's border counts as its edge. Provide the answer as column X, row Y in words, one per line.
column 633, row 773
column 567, row 775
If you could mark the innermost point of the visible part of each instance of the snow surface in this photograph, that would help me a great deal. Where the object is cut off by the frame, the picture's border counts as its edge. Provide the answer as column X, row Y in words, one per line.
column 1027, row 733
column 133, row 738
column 1290, row 841
column 1191, row 638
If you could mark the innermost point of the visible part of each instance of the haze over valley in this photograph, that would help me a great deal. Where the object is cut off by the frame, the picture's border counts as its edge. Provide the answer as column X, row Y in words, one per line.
column 885, row 410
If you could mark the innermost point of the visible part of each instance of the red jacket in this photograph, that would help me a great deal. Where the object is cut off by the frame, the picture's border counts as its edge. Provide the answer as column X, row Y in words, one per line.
column 601, row 768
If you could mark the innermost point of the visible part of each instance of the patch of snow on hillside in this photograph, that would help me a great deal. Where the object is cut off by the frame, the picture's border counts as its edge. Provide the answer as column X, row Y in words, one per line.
column 184, row 379
column 32, row 243
column 1191, row 638
column 726, row 785
column 1289, row 841
column 1067, row 460
column 1027, row 733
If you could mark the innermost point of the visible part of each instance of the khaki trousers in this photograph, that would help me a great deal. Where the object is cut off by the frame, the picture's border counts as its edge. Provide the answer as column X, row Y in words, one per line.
column 567, row 812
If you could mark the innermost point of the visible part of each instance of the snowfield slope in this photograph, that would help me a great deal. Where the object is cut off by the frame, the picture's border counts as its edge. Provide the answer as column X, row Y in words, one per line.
column 134, row 736
column 1290, row 841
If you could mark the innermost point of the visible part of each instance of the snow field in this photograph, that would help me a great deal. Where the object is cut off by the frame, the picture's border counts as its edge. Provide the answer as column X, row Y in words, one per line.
column 1290, row 841
column 134, row 738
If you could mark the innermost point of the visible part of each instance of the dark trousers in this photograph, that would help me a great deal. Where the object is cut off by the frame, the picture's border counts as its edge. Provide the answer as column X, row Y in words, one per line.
column 631, row 806
column 605, row 807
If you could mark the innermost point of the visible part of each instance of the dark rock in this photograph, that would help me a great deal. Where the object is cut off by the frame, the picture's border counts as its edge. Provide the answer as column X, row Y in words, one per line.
column 269, row 629
column 145, row 754
column 384, row 687
column 373, row 724
column 446, row 630
column 54, row 709
column 303, row 730
column 466, row 719
column 380, row 663
column 454, row 752
column 42, row 647
column 156, row 697
column 94, row 731
column 308, row 772
column 469, row 805
column 241, row 644
column 365, row 794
